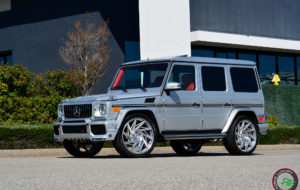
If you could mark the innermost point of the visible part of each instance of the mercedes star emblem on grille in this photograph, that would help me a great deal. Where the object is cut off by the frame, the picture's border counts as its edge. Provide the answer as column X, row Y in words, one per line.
column 76, row 111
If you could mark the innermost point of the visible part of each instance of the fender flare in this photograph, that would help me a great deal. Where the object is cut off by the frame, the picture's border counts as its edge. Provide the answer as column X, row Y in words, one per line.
column 123, row 113
column 233, row 115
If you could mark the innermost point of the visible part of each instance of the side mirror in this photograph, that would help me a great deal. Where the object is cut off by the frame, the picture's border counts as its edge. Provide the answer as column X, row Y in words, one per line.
column 172, row 86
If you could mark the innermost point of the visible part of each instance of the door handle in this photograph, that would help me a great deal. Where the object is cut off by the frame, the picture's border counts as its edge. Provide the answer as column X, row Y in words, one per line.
column 227, row 105
column 195, row 105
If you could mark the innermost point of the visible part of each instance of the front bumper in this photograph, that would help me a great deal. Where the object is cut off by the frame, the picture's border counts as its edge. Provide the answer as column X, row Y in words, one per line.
column 263, row 128
column 85, row 130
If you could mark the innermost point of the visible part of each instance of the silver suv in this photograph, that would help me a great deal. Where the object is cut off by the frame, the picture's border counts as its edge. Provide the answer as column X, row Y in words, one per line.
column 187, row 101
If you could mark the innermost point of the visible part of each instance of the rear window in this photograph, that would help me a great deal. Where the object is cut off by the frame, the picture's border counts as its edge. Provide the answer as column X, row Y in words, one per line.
column 243, row 80
column 213, row 78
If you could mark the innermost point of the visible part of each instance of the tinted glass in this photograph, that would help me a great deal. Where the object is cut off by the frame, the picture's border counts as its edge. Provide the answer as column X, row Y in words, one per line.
column 247, row 56
column 9, row 59
column 243, row 80
column 267, row 68
column 132, row 51
column 213, row 78
column 142, row 76
column 202, row 53
column 221, row 54
column 1, row 60
column 185, row 75
column 231, row 55
column 286, row 69
column 298, row 69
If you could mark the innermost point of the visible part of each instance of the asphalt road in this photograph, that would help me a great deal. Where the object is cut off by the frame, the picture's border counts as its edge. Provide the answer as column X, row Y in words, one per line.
column 212, row 168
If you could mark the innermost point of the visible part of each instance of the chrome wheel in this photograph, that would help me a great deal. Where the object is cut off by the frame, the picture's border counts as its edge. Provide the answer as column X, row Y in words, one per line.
column 245, row 135
column 138, row 135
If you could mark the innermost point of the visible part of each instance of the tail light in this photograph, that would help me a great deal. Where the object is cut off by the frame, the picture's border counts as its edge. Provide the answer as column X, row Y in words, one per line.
column 263, row 118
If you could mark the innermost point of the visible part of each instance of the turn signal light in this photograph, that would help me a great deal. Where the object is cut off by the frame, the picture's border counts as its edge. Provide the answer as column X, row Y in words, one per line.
column 116, row 109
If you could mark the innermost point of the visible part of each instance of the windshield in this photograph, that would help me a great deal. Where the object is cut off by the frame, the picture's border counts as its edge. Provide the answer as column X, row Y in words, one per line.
column 140, row 76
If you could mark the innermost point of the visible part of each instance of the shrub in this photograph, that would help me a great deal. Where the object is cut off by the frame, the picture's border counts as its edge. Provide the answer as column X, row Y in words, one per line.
column 15, row 79
column 273, row 120
column 19, row 81
column 15, row 109
column 56, row 83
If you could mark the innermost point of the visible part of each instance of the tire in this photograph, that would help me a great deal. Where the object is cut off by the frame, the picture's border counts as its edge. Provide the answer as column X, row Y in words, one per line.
column 136, row 137
column 242, row 136
column 82, row 149
column 186, row 147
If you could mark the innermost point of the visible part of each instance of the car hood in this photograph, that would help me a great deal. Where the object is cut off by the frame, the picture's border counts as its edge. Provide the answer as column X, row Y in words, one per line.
column 112, row 97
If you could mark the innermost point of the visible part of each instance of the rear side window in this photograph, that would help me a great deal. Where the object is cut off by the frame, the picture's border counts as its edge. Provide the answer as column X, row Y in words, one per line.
column 213, row 78
column 243, row 80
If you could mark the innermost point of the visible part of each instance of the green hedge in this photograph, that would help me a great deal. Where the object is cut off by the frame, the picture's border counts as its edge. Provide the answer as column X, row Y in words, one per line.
column 41, row 136
column 283, row 101
column 26, row 97
column 26, row 136
column 15, row 109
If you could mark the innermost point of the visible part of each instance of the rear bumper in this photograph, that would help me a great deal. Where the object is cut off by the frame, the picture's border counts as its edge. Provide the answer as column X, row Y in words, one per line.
column 84, row 130
column 263, row 128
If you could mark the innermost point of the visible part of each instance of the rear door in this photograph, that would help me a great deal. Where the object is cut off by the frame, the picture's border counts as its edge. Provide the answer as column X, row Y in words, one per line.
column 215, row 96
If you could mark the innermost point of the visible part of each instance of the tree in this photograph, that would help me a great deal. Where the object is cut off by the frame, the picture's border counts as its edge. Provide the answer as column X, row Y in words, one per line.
column 86, row 49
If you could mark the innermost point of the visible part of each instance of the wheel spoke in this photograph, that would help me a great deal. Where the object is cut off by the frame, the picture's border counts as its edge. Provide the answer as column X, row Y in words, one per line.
column 140, row 125
column 134, row 146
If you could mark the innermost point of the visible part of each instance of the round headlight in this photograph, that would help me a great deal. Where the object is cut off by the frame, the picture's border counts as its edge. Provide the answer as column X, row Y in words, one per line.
column 60, row 111
column 102, row 109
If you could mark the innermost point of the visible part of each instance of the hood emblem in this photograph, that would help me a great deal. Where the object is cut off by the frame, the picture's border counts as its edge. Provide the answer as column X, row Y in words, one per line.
column 76, row 111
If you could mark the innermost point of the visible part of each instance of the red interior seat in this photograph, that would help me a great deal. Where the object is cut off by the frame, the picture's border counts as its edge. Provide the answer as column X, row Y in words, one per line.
column 188, row 82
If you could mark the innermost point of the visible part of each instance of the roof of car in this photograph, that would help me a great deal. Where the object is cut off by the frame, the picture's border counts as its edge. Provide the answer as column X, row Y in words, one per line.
column 196, row 60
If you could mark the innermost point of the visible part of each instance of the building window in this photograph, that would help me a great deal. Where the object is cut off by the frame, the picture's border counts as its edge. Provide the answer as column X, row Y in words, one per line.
column 286, row 69
column 132, row 51
column 247, row 56
column 5, row 5
column 286, row 65
column 267, row 68
column 221, row 54
column 5, row 58
column 203, row 53
column 298, row 69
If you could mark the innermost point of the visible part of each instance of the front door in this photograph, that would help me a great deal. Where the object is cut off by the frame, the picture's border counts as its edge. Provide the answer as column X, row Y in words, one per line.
column 182, row 108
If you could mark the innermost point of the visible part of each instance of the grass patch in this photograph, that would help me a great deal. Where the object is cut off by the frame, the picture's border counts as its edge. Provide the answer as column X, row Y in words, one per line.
column 41, row 136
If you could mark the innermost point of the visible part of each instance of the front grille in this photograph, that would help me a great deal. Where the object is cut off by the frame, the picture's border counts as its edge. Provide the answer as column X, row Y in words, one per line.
column 78, row 111
column 75, row 121
column 98, row 129
column 56, row 129
column 74, row 129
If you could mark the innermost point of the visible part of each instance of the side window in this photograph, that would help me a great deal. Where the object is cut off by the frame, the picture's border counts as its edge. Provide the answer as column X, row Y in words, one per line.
column 243, row 80
column 213, row 78
column 185, row 75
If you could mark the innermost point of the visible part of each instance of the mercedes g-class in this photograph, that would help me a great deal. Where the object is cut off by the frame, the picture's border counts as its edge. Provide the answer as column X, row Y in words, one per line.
column 186, row 100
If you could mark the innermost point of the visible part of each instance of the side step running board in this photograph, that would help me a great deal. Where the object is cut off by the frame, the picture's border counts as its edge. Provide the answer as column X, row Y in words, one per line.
column 193, row 136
